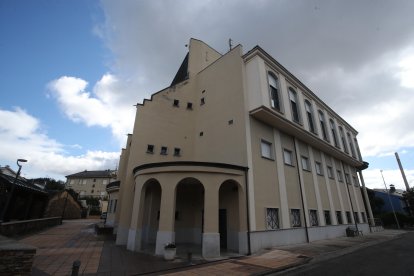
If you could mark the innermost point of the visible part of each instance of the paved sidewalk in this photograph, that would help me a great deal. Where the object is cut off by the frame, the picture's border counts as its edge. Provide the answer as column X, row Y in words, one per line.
column 60, row 246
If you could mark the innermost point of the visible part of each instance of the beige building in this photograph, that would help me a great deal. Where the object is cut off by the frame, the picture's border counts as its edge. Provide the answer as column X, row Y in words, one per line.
column 90, row 183
column 238, row 155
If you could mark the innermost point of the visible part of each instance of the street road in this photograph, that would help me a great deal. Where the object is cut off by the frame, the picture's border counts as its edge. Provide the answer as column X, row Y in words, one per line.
column 393, row 257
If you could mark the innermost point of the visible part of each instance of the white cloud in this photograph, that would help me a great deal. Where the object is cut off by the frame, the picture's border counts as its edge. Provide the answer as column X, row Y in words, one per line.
column 21, row 136
column 108, row 105
column 373, row 178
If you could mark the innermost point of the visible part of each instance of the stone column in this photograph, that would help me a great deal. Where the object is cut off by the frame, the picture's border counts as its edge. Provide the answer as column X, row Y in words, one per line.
column 211, row 235
column 166, row 232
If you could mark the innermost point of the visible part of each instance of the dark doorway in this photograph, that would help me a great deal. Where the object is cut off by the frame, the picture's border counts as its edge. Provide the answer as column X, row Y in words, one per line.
column 223, row 228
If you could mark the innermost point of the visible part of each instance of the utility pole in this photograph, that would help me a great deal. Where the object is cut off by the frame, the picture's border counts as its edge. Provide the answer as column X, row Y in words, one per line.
column 402, row 172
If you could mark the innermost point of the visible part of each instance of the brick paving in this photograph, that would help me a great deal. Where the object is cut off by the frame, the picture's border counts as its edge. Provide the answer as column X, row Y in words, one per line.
column 60, row 246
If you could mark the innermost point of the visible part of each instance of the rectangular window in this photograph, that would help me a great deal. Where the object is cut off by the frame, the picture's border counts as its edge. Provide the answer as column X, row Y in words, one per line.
column 344, row 145
column 330, row 172
column 364, row 218
column 348, row 217
column 150, row 148
column 177, row 151
column 287, row 156
column 295, row 218
column 176, row 103
column 327, row 217
column 323, row 125
column 339, row 217
column 340, row 179
column 164, row 151
column 333, row 132
column 355, row 179
column 356, row 218
column 202, row 101
column 305, row 163
column 272, row 218
column 309, row 113
column 347, row 178
column 266, row 148
column 274, row 91
column 293, row 105
column 313, row 217
column 189, row 106
column 351, row 146
column 318, row 168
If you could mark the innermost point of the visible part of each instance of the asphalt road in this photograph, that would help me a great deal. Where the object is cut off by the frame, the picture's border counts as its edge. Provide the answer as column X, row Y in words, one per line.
column 394, row 257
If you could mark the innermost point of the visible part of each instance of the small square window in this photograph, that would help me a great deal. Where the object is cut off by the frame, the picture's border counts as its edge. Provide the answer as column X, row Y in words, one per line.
column 201, row 133
column 177, row 151
column 189, row 105
column 230, row 122
column 202, row 101
column 318, row 168
column 176, row 103
column 340, row 179
column 272, row 218
column 313, row 217
column 305, row 163
column 287, row 156
column 92, row 192
column 164, row 151
column 339, row 217
column 330, row 172
column 266, row 148
column 327, row 217
column 295, row 218
column 150, row 148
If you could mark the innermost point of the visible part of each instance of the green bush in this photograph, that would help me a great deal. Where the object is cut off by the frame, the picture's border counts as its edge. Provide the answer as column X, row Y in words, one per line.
column 388, row 219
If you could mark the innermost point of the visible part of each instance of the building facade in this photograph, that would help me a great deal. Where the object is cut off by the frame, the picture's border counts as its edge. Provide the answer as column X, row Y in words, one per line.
column 90, row 183
column 238, row 155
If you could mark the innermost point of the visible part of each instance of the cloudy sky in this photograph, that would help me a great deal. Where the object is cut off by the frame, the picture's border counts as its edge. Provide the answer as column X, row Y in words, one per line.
column 71, row 71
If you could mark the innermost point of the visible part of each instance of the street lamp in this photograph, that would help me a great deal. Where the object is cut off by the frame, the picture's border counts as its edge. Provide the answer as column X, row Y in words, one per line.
column 389, row 199
column 10, row 195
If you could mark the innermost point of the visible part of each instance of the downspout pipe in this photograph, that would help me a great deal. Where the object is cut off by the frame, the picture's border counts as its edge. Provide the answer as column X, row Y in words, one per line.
column 249, row 251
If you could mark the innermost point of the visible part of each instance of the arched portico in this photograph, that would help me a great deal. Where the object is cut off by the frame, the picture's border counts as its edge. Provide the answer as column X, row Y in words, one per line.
column 189, row 209
column 189, row 199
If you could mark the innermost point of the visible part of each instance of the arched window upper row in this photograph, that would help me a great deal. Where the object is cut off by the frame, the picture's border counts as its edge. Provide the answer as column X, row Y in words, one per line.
column 276, row 103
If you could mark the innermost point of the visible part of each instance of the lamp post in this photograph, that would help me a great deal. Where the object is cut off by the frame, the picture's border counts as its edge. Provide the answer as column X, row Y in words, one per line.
column 10, row 195
column 389, row 199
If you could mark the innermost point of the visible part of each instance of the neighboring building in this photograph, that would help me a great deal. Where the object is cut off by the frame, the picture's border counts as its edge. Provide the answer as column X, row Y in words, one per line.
column 392, row 196
column 28, row 200
column 113, row 192
column 90, row 183
column 238, row 155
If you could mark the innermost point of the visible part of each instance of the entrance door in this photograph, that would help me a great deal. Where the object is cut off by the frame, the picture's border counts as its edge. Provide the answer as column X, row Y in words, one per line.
column 223, row 228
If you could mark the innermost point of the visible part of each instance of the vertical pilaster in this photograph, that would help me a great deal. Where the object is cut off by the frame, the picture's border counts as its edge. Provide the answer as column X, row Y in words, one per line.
column 284, row 208
column 369, row 211
column 316, row 187
column 341, row 203
column 211, row 235
column 166, row 232
column 328, row 187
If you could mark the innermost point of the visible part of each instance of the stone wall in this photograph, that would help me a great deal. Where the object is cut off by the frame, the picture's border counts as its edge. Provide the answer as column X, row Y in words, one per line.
column 15, row 258
column 21, row 227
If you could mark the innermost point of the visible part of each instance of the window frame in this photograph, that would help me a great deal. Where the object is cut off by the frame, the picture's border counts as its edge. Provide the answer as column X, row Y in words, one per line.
column 318, row 168
column 313, row 217
column 343, row 139
column 177, row 151
column 274, row 92
column 330, row 172
column 322, row 123
column 333, row 132
column 339, row 175
column 327, row 216
column 339, row 217
column 274, row 222
column 270, row 145
column 150, row 149
column 310, row 116
column 290, row 154
column 305, row 163
column 294, row 105
column 164, row 150
column 295, row 221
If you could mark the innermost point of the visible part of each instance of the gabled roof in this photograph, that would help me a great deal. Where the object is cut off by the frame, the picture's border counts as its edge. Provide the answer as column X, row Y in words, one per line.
column 93, row 174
